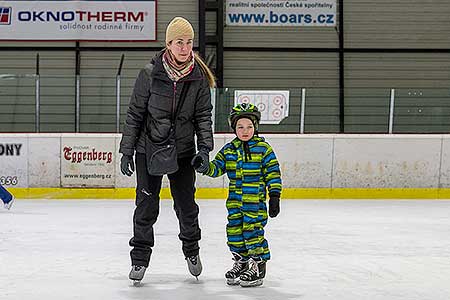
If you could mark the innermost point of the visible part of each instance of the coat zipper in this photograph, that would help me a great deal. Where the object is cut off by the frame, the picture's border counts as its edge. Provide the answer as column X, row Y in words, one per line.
column 172, row 116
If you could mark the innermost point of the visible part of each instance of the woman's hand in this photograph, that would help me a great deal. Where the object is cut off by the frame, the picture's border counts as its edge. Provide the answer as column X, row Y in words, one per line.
column 127, row 165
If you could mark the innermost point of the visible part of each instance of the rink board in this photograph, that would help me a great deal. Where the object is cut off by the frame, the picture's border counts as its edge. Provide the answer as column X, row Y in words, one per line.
column 328, row 166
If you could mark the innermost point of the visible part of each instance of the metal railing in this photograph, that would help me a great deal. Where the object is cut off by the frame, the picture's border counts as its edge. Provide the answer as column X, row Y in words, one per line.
column 41, row 103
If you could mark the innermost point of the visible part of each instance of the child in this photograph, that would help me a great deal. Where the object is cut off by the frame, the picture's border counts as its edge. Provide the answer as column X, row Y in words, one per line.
column 6, row 197
column 252, row 168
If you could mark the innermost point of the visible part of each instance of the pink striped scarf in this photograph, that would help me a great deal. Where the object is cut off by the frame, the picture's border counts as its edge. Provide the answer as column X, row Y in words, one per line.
column 174, row 70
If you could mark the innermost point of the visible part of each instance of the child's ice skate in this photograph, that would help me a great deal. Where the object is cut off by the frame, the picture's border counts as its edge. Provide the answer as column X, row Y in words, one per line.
column 136, row 274
column 194, row 265
column 239, row 266
column 255, row 273
column 9, row 203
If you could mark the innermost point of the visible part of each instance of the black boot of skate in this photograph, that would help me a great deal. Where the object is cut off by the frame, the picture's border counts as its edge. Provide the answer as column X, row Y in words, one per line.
column 194, row 265
column 136, row 274
column 255, row 273
column 238, row 268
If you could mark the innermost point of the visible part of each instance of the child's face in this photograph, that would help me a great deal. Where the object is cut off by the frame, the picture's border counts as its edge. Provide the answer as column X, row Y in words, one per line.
column 244, row 129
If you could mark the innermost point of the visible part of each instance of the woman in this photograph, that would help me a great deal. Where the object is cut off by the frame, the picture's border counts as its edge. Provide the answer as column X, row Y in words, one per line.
column 175, row 77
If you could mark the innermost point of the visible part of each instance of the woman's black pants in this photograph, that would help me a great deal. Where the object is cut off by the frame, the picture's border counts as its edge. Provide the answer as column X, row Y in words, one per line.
column 182, row 188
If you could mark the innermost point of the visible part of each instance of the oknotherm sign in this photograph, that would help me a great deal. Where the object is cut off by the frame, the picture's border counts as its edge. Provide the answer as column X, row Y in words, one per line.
column 78, row 20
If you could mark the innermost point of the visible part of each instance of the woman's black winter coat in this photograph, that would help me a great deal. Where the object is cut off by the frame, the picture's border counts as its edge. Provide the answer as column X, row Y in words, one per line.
column 150, row 109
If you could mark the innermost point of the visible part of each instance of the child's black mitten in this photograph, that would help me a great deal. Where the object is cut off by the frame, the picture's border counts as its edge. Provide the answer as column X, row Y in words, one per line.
column 274, row 206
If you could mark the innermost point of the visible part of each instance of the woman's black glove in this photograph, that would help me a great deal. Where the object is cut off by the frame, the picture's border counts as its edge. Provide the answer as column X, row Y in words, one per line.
column 274, row 206
column 200, row 162
column 127, row 165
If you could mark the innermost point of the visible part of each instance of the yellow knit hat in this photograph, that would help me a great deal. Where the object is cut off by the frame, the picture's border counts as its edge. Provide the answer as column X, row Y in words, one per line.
column 178, row 27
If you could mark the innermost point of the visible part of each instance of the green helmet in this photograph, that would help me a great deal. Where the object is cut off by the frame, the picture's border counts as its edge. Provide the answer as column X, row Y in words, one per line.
column 244, row 110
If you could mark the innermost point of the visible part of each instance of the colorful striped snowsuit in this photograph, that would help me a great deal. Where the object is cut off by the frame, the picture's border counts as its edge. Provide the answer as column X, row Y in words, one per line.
column 250, row 179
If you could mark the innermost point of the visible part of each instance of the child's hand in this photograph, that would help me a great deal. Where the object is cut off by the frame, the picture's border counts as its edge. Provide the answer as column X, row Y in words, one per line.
column 200, row 162
column 274, row 206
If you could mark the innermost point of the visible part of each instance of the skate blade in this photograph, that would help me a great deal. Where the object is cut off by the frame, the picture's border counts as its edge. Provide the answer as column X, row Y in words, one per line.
column 196, row 274
column 136, row 282
column 251, row 283
column 233, row 281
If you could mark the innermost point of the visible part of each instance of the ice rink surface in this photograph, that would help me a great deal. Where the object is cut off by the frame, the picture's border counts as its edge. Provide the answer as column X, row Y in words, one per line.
column 356, row 249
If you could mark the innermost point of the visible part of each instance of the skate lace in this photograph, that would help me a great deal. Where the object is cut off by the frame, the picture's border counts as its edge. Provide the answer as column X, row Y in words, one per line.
column 193, row 259
column 237, row 267
column 252, row 268
column 137, row 268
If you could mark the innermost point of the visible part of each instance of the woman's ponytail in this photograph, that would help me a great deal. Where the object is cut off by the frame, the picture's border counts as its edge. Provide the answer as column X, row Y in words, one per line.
column 207, row 71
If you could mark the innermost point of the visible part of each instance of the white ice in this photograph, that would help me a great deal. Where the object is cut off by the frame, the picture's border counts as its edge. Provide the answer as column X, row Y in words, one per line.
column 356, row 249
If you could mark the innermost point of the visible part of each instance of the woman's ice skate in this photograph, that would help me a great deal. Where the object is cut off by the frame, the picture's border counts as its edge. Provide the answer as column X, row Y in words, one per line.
column 194, row 265
column 136, row 274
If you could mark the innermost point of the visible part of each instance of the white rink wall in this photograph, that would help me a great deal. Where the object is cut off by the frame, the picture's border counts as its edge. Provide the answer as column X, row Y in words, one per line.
column 307, row 161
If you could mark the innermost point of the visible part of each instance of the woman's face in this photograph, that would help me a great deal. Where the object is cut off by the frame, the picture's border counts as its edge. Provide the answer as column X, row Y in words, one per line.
column 181, row 48
column 244, row 129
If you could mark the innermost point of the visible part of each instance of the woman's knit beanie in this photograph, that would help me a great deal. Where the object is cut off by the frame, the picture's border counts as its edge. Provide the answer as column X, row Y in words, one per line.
column 178, row 27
